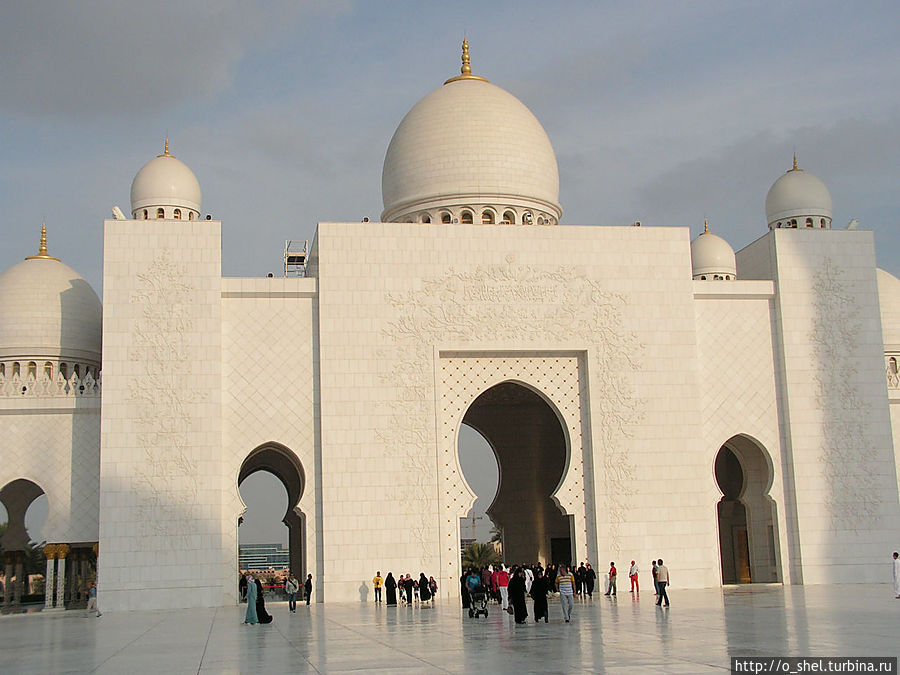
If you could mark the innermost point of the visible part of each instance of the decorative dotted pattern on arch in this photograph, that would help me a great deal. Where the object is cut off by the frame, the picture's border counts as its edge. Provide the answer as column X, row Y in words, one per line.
column 461, row 380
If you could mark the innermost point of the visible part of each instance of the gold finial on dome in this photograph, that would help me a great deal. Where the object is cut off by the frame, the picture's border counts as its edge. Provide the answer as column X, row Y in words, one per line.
column 466, row 70
column 705, row 226
column 42, row 251
column 166, row 149
column 795, row 167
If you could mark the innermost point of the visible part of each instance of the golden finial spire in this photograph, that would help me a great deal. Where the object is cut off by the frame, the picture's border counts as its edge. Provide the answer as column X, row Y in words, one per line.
column 794, row 168
column 466, row 70
column 42, row 251
column 166, row 149
column 705, row 226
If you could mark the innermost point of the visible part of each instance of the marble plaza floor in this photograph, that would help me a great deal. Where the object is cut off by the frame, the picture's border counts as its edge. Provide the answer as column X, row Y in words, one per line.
column 698, row 634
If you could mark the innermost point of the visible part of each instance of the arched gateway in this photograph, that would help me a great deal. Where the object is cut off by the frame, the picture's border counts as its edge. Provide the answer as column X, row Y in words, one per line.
column 286, row 467
column 748, row 537
column 528, row 408
column 531, row 449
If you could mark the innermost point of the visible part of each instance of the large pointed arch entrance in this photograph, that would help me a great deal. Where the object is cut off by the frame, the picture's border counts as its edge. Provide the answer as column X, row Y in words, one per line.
column 531, row 450
column 748, row 536
column 553, row 443
column 282, row 463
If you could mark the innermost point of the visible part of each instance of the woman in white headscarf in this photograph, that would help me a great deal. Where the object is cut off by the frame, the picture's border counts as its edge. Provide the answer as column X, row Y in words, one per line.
column 251, row 617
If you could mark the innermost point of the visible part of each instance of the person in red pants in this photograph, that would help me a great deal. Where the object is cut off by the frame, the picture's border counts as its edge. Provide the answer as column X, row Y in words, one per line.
column 633, row 575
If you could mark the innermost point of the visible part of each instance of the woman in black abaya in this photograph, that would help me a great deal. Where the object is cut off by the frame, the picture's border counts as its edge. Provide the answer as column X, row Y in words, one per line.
column 261, row 613
column 464, row 592
column 424, row 588
column 517, row 595
column 539, row 590
column 390, row 590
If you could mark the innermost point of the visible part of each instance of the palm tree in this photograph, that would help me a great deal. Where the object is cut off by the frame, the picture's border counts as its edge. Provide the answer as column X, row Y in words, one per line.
column 497, row 534
column 479, row 556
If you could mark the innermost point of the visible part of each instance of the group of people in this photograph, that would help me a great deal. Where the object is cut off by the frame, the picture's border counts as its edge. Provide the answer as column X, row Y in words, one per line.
column 409, row 591
column 660, row 580
column 251, row 591
column 510, row 587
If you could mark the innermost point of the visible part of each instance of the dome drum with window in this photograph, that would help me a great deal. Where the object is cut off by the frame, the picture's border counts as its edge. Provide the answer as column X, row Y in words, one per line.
column 712, row 258
column 798, row 200
column 470, row 153
column 165, row 189
column 50, row 320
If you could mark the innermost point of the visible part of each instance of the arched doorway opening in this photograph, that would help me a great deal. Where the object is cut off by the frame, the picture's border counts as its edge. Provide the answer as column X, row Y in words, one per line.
column 479, row 467
column 279, row 461
column 746, row 514
column 21, row 555
column 531, row 450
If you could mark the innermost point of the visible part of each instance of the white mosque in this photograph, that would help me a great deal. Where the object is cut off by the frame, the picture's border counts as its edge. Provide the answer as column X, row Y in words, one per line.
column 645, row 395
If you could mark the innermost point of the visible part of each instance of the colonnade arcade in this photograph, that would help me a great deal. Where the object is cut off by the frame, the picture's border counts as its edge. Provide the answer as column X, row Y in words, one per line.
column 67, row 568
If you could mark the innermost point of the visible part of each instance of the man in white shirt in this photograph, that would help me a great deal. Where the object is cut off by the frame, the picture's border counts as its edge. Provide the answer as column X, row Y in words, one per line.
column 633, row 575
column 291, row 586
column 662, row 579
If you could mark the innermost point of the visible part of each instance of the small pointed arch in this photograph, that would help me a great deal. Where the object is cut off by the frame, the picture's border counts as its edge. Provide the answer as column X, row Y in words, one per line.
column 17, row 496
column 746, row 514
column 283, row 463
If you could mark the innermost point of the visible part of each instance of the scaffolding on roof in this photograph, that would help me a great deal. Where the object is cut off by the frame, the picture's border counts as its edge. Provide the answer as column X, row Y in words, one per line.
column 295, row 258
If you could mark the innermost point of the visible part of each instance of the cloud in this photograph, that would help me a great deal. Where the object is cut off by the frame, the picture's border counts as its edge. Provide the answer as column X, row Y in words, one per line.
column 103, row 57
column 856, row 158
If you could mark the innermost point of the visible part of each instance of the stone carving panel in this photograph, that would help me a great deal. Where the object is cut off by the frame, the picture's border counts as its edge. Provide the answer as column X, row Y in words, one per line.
column 161, row 394
column 847, row 456
column 515, row 304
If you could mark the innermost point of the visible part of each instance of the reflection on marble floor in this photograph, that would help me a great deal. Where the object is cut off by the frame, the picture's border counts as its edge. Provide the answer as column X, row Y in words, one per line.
column 699, row 633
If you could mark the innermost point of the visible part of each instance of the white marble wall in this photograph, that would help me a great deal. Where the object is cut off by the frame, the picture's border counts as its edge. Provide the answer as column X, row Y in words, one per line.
column 345, row 371
column 268, row 375
column 161, row 492
column 738, row 385
column 836, row 422
column 393, row 297
column 55, row 443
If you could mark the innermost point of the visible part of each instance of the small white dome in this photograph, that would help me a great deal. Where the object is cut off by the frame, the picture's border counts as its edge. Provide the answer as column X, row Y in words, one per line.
column 163, row 182
column 469, row 143
column 47, row 310
column 889, row 300
column 711, row 255
column 798, row 195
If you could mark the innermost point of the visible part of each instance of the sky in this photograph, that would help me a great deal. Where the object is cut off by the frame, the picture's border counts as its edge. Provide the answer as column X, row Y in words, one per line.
column 662, row 112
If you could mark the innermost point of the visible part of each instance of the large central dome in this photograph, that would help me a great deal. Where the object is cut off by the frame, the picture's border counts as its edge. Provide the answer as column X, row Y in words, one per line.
column 470, row 145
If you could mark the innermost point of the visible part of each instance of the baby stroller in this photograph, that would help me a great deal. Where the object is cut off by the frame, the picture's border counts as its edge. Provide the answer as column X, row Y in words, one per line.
column 479, row 600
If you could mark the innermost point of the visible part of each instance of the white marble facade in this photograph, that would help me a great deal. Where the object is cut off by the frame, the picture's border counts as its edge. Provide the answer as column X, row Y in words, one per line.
column 355, row 381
